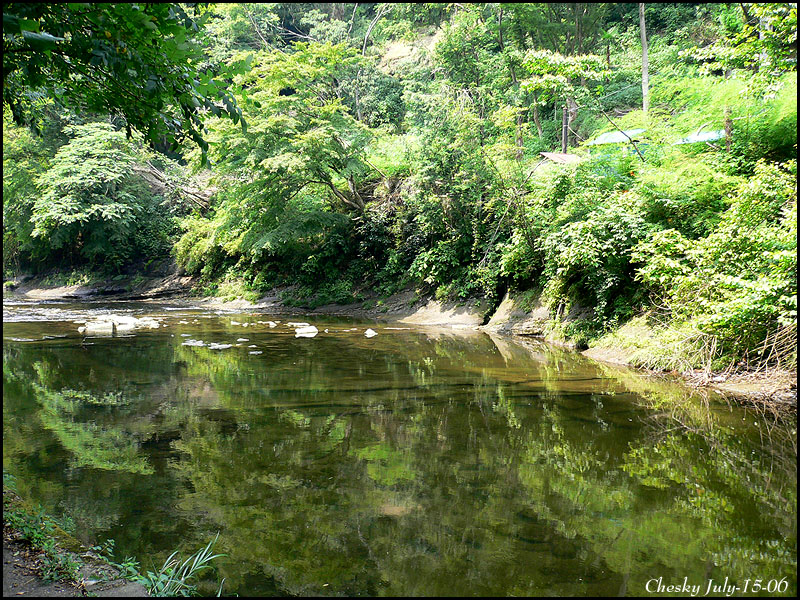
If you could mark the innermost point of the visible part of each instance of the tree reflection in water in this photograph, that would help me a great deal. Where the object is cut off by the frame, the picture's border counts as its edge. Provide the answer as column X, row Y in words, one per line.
column 408, row 464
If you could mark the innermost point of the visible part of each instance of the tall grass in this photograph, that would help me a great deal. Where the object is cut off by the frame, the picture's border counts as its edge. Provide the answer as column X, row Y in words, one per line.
column 174, row 576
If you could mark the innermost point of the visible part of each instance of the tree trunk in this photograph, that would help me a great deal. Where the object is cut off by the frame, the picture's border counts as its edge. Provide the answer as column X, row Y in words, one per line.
column 536, row 114
column 355, row 95
column 571, row 115
column 357, row 200
column 762, row 56
column 371, row 25
column 728, row 128
column 564, row 129
column 645, row 65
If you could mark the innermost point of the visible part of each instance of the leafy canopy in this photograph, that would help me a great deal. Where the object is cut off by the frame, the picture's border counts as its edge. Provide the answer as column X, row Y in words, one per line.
column 302, row 133
column 92, row 204
column 142, row 61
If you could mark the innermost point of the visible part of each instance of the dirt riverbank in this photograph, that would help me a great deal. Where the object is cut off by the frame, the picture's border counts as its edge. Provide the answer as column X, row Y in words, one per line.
column 24, row 566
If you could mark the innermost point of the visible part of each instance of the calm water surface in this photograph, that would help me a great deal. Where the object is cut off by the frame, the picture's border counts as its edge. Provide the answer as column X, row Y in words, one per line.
column 416, row 462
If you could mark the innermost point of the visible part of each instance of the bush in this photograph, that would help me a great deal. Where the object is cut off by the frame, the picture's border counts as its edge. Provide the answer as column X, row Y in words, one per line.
column 738, row 283
column 686, row 193
column 25, row 157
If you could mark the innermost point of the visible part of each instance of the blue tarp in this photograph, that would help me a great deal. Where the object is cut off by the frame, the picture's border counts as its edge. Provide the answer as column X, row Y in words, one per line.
column 616, row 137
column 706, row 136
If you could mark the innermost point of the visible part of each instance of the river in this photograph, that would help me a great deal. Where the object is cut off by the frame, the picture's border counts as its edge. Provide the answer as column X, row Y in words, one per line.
column 420, row 461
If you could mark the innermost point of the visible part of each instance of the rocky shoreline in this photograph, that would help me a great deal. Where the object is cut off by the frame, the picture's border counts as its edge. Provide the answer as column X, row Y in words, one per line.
column 775, row 389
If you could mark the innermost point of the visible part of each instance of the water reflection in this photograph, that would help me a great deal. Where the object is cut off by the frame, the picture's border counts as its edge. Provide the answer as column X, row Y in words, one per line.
column 411, row 463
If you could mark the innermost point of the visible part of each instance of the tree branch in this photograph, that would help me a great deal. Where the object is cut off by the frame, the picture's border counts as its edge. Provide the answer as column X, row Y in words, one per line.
column 381, row 12
column 623, row 133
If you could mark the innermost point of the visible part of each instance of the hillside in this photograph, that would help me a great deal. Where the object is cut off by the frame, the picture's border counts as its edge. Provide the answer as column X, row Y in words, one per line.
column 348, row 152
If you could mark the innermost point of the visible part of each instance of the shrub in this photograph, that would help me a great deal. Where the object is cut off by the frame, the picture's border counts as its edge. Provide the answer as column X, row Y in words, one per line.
column 738, row 283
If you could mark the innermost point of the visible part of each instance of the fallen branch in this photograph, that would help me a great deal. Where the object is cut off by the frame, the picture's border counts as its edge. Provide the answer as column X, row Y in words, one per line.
column 158, row 180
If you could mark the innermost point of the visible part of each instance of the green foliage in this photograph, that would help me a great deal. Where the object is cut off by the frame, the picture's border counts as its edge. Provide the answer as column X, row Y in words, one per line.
column 763, row 42
column 173, row 578
column 422, row 166
column 91, row 205
column 739, row 282
column 25, row 157
column 554, row 75
column 39, row 529
column 686, row 193
column 301, row 134
column 141, row 61
column 763, row 122
column 376, row 98
column 576, row 234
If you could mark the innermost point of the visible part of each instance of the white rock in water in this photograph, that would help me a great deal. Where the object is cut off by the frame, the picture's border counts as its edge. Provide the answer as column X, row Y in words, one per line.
column 242, row 340
column 256, row 352
column 81, row 329
column 291, row 324
column 117, row 324
column 272, row 324
column 309, row 331
column 193, row 343
column 235, row 323
column 214, row 346
column 148, row 322
column 124, row 321
column 99, row 327
column 252, row 346
column 370, row 333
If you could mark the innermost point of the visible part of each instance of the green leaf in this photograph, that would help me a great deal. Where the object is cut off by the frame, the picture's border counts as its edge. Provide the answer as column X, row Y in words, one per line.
column 41, row 41
column 10, row 24
column 28, row 25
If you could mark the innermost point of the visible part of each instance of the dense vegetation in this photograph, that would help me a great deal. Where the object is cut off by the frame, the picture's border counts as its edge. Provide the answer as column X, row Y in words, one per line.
column 396, row 145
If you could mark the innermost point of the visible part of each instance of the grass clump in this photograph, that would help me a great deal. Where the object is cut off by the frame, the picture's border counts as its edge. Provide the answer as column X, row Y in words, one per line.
column 175, row 577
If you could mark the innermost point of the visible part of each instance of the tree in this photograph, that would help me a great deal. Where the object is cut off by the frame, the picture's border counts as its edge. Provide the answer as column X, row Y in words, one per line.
column 765, row 44
column 303, row 133
column 92, row 206
column 468, row 54
column 645, row 72
column 141, row 61
column 554, row 77
column 564, row 27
